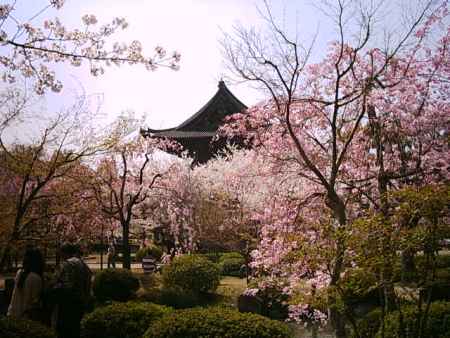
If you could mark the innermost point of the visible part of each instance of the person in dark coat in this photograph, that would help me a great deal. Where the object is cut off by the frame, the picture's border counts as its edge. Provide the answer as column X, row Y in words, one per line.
column 73, row 291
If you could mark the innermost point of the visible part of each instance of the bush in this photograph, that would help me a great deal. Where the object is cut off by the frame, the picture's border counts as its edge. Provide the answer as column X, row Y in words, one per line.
column 216, row 323
column 153, row 251
column 442, row 261
column 440, row 290
column 212, row 256
column 230, row 255
column 232, row 266
column 360, row 287
column 191, row 273
column 368, row 326
column 437, row 326
column 172, row 297
column 273, row 301
column 120, row 320
column 23, row 328
column 115, row 284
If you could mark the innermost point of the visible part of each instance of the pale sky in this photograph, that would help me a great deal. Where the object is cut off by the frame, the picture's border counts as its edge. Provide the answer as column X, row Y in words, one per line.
column 191, row 27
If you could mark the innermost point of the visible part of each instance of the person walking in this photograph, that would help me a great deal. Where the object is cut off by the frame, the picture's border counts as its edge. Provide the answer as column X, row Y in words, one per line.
column 26, row 297
column 73, row 291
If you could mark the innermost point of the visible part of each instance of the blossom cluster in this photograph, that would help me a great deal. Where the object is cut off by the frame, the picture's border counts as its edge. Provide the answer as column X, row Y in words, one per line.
column 31, row 50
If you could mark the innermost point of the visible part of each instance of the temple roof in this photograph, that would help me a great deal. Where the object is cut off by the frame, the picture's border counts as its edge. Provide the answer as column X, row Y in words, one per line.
column 196, row 133
column 207, row 120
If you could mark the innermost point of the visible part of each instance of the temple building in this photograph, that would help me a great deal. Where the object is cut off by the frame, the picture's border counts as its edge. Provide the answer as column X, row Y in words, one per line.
column 196, row 133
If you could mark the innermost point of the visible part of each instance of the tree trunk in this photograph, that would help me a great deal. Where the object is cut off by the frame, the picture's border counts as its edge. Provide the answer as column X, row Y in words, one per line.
column 126, row 250
column 5, row 256
column 337, row 319
column 408, row 266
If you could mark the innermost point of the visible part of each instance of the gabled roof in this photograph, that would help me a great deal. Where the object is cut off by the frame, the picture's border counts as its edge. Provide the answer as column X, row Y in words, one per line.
column 207, row 120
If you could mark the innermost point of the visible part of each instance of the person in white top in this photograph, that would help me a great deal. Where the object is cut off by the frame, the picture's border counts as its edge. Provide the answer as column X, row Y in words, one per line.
column 28, row 286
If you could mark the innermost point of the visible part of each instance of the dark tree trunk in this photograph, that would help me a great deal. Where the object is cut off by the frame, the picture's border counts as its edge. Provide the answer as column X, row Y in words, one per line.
column 126, row 250
column 408, row 266
column 337, row 317
column 6, row 253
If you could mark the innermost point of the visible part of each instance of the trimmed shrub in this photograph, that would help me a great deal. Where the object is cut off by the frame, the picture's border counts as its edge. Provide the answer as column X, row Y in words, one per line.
column 216, row 323
column 120, row 320
column 115, row 284
column 230, row 255
column 172, row 297
column 23, row 328
column 231, row 266
column 191, row 273
column 212, row 256
column 153, row 251
column 437, row 326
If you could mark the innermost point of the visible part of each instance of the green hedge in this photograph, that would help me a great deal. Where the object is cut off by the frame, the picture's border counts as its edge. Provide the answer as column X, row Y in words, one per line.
column 438, row 323
column 120, row 320
column 23, row 328
column 230, row 255
column 232, row 266
column 191, row 273
column 172, row 297
column 115, row 284
column 216, row 323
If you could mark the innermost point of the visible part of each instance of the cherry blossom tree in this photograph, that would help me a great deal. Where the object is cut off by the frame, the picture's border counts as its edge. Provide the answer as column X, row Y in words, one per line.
column 31, row 50
column 57, row 147
column 125, row 177
column 332, row 122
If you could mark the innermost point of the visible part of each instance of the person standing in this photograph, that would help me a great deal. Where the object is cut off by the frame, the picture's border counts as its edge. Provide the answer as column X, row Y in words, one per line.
column 111, row 256
column 26, row 297
column 73, row 289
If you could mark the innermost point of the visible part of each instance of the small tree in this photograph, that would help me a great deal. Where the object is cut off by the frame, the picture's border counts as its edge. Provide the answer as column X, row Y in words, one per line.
column 125, row 178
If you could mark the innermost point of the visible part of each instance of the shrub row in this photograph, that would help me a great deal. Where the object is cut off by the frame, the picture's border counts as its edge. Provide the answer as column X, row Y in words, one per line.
column 216, row 323
column 23, row 328
column 120, row 320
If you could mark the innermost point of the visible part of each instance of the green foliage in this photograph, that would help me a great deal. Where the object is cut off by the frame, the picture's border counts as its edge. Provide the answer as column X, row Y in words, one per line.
column 191, row 273
column 441, row 261
column 368, row 325
column 439, row 290
column 115, row 284
column 153, row 251
column 230, row 255
column 216, row 323
column 212, row 256
column 231, row 266
column 274, row 302
column 23, row 328
column 437, row 325
column 121, row 320
column 358, row 286
column 173, row 297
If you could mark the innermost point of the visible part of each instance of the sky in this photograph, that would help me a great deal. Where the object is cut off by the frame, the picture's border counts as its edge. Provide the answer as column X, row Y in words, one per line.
column 191, row 27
